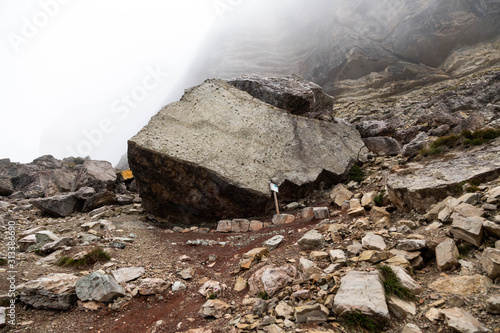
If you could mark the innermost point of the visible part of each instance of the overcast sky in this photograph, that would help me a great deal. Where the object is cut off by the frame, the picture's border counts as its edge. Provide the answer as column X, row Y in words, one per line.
column 82, row 77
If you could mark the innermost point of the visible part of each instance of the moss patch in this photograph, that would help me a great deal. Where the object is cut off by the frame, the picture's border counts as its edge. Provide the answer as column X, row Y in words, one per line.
column 92, row 257
column 359, row 322
column 393, row 286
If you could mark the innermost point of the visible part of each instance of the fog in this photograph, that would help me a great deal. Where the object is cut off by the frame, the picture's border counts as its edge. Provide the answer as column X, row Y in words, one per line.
column 79, row 78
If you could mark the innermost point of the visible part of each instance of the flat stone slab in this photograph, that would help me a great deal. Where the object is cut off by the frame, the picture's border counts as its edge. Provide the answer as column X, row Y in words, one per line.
column 215, row 151
column 361, row 291
column 422, row 184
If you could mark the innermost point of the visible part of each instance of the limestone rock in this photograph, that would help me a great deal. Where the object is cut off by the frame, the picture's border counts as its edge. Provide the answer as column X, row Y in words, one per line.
column 274, row 242
column 283, row 310
column 493, row 304
column 291, row 93
column 98, row 287
column 212, row 288
column 311, row 240
column 252, row 257
column 151, row 286
column 283, row 219
column 421, row 185
column 383, row 145
column 340, row 194
column 491, row 262
column 406, row 280
column 127, row 274
column 492, row 229
column 54, row 291
column 447, row 255
column 468, row 229
column 99, row 175
column 321, row 213
column 410, row 245
column 373, row 242
column 462, row 321
column 361, row 291
column 461, row 285
column 411, row 328
column 338, row 257
column 311, row 313
column 231, row 144
column 400, row 308
column 62, row 205
column 214, row 308
column 271, row 279
column 240, row 284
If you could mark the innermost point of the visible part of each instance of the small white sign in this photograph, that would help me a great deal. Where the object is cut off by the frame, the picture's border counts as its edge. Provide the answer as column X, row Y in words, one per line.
column 274, row 187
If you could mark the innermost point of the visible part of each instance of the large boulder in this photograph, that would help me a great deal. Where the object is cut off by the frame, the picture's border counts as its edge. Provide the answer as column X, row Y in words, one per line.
column 62, row 205
column 290, row 93
column 216, row 150
column 98, row 287
column 422, row 184
column 54, row 291
column 97, row 174
column 6, row 187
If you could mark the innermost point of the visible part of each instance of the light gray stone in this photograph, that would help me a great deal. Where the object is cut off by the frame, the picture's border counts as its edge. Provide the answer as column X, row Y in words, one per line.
column 401, row 309
column 321, row 213
column 25, row 242
column 311, row 240
column 406, row 280
column 61, row 205
column 361, row 291
column 152, row 286
column 447, row 255
column 53, row 291
column 423, row 184
column 128, row 274
column 411, row 328
column 411, row 245
column 214, row 308
column 99, row 175
column 3, row 318
column 372, row 241
column 340, row 194
column 338, row 257
column 98, row 287
column 178, row 285
column 462, row 321
column 491, row 262
column 311, row 313
column 239, row 143
column 493, row 304
column 279, row 219
column 492, row 229
column 274, row 242
column 271, row 279
column 469, row 229
column 284, row 310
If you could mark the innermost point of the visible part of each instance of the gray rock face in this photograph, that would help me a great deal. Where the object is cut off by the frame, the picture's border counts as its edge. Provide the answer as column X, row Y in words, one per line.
column 98, row 287
column 290, row 93
column 54, row 291
column 216, row 150
column 421, row 185
column 361, row 291
column 468, row 229
column 447, row 255
column 127, row 274
column 383, row 145
column 311, row 313
column 97, row 174
column 491, row 262
column 311, row 240
column 62, row 205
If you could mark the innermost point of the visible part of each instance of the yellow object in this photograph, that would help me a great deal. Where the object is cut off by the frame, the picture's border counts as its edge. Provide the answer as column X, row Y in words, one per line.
column 127, row 174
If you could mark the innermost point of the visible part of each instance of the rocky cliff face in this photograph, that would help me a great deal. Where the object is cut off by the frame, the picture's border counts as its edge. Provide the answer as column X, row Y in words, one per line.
column 361, row 45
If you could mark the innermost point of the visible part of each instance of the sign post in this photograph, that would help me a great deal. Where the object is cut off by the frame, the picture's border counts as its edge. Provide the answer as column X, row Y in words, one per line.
column 275, row 190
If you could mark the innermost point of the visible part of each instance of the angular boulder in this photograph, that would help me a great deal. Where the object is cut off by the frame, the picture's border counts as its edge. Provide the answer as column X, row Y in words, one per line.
column 54, row 292
column 62, row 205
column 363, row 292
column 216, row 150
column 383, row 145
column 491, row 262
column 447, row 255
column 97, row 174
column 290, row 93
column 98, row 287
column 422, row 184
column 271, row 279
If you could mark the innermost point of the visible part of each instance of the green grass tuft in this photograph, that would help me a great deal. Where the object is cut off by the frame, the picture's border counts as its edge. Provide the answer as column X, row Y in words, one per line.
column 393, row 286
column 263, row 295
column 357, row 321
column 96, row 255
column 356, row 174
column 464, row 250
column 3, row 262
column 379, row 198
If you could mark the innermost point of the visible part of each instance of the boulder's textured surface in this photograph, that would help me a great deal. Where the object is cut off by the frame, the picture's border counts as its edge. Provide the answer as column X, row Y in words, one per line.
column 98, row 287
column 216, row 150
column 361, row 291
column 422, row 184
column 271, row 279
column 54, row 291
column 290, row 93
column 97, row 174
column 59, row 205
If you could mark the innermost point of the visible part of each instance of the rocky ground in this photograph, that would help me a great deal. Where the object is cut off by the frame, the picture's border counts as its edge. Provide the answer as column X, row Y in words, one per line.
column 292, row 285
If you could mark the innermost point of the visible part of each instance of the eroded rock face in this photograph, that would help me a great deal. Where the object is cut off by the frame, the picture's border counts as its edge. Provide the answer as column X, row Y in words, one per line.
column 422, row 184
column 215, row 151
column 290, row 93
column 54, row 291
